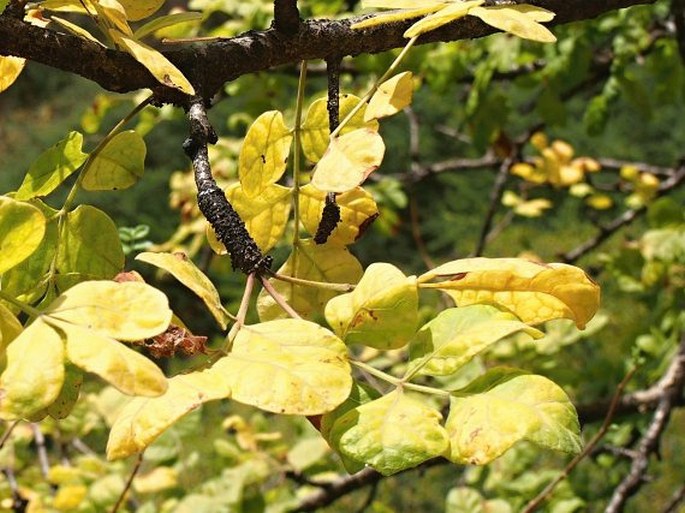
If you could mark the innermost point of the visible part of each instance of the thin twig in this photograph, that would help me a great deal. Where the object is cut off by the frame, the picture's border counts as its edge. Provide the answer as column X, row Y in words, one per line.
column 280, row 300
column 43, row 460
column 338, row 287
column 643, row 167
column 495, row 198
column 129, row 482
column 8, row 433
column 676, row 500
column 416, row 233
column 19, row 503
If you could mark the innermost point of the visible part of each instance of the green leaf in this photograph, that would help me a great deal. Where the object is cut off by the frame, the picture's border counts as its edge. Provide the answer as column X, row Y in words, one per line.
column 289, row 366
column 165, row 21
column 90, row 247
column 349, row 160
column 184, row 270
column 456, row 335
column 264, row 154
column 265, row 216
column 64, row 404
column 124, row 311
column 52, row 167
column 534, row 292
column 143, row 419
column 315, row 128
column 119, row 165
column 391, row 434
column 467, row 500
column 34, row 374
column 512, row 408
column 322, row 263
column 22, row 227
column 381, row 312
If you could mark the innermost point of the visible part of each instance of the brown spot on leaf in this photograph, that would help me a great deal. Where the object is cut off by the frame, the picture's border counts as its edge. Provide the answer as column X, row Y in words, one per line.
column 365, row 225
column 175, row 338
column 128, row 276
column 181, row 256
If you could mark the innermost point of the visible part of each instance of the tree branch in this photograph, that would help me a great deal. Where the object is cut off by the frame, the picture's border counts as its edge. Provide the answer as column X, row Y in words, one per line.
column 286, row 16
column 208, row 65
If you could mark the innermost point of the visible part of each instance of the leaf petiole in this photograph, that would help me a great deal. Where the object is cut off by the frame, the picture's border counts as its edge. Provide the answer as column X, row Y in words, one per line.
column 401, row 383
column 29, row 310
column 338, row 287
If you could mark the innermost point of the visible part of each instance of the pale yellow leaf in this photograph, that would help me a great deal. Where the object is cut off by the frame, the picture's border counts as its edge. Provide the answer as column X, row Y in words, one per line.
column 402, row 4
column 10, row 328
column 10, row 69
column 447, row 14
column 349, row 160
column 140, row 9
column 113, row 14
column 264, row 154
column 22, row 227
column 512, row 20
column 75, row 29
column 392, row 96
column 532, row 208
column 394, row 16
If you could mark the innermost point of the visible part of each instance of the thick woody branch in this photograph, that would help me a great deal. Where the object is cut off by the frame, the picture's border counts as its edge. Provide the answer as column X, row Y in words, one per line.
column 286, row 16
column 208, row 65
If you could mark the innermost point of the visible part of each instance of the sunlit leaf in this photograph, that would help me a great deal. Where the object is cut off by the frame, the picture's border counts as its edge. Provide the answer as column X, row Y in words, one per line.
column 125, row 369
column 533, row 291
column 392, row 96
column 89, row 247
column 463, row 499
column 265, row 216
column 160, row 67
column 322, row 263
column 316, row 129
column 451, row 12
column 168, row 20
column 124, row 311
column 143, row 419
column 599, row 201
column 184, row 270
column 64, row 6
column 264, row 154
column 532, row 208
column 403, row 4
column 156, row 481
column 69, row 497
column 381, row 312
column 395, row 16
column 22, row 227
column 111, row 14
column 119, row 165
column 62, row 406
column 520, row 22
column 10, row 69
column 391, row 434
column 357, row 206
column 139, row 9
column 512, row 407
column 289, row 366
column 348, row 160
column 75, row 29
column 34, row 374
column 456, row 335
column 10, row 328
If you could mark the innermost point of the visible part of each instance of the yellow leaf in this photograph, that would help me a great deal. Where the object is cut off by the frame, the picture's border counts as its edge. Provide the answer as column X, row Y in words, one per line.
column 395, row 16
column 357, row 207
column 265, row 216
column 22, row 227
column 139, row 9
column 323, row 263
column 447, row 14
column 143, row 419
column 535, row 13
column 516, row 21
column 69, row 497
column 10, row 69
column 75, row 29
column 315, row 128
column 533, row 291
column 381, row 312
column 119, row 165
column 156, row 481
column 600, row 201
column 10, row 328
column 163, row 70
column 289, row 366
column 532, row 208
column 184, row 270
column 34, row 374
column 264, row 154
column 125, row 369
column 113, row 14
column 123, row 311
column 392, row 96
column 403, row 4
column 66, row 6
column 511, row 199
column 348, row 161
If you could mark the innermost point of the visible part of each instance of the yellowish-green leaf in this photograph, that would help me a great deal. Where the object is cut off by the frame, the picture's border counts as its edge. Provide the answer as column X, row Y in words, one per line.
column 75, row 29
column 90, row 247
column 34, row 374
column 130, row 310
column 119, row 165
column 322, row 263
column 289, row 366
column 166, row 21
column 402, row 4
column 10, row 69
column 456, row 335
column 392, row 96
column 264, row 154
column 62, row 406
column 143, row 419
column 265, row 216
column 349, row 160
column 22, row 227
column 184, row 270
column 52, row 167
column 447, row 14
column 163, row 70
column 10, row 328
column 357, row 207
column 64, row 6
column 140, row 9
column 391, row 434
column 156, row 481
column 381, row 312
column 396, row 16
column 111, row 15
column 125, row 369
column 514, row 407
column 533, row 291
column 512, row 19
column 316, row 130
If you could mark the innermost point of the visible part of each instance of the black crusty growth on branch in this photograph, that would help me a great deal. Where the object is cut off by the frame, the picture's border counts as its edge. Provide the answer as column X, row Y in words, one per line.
column 229, row 228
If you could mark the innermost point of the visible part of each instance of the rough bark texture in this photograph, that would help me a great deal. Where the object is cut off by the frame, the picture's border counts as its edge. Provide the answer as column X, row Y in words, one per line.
column 208, row 65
